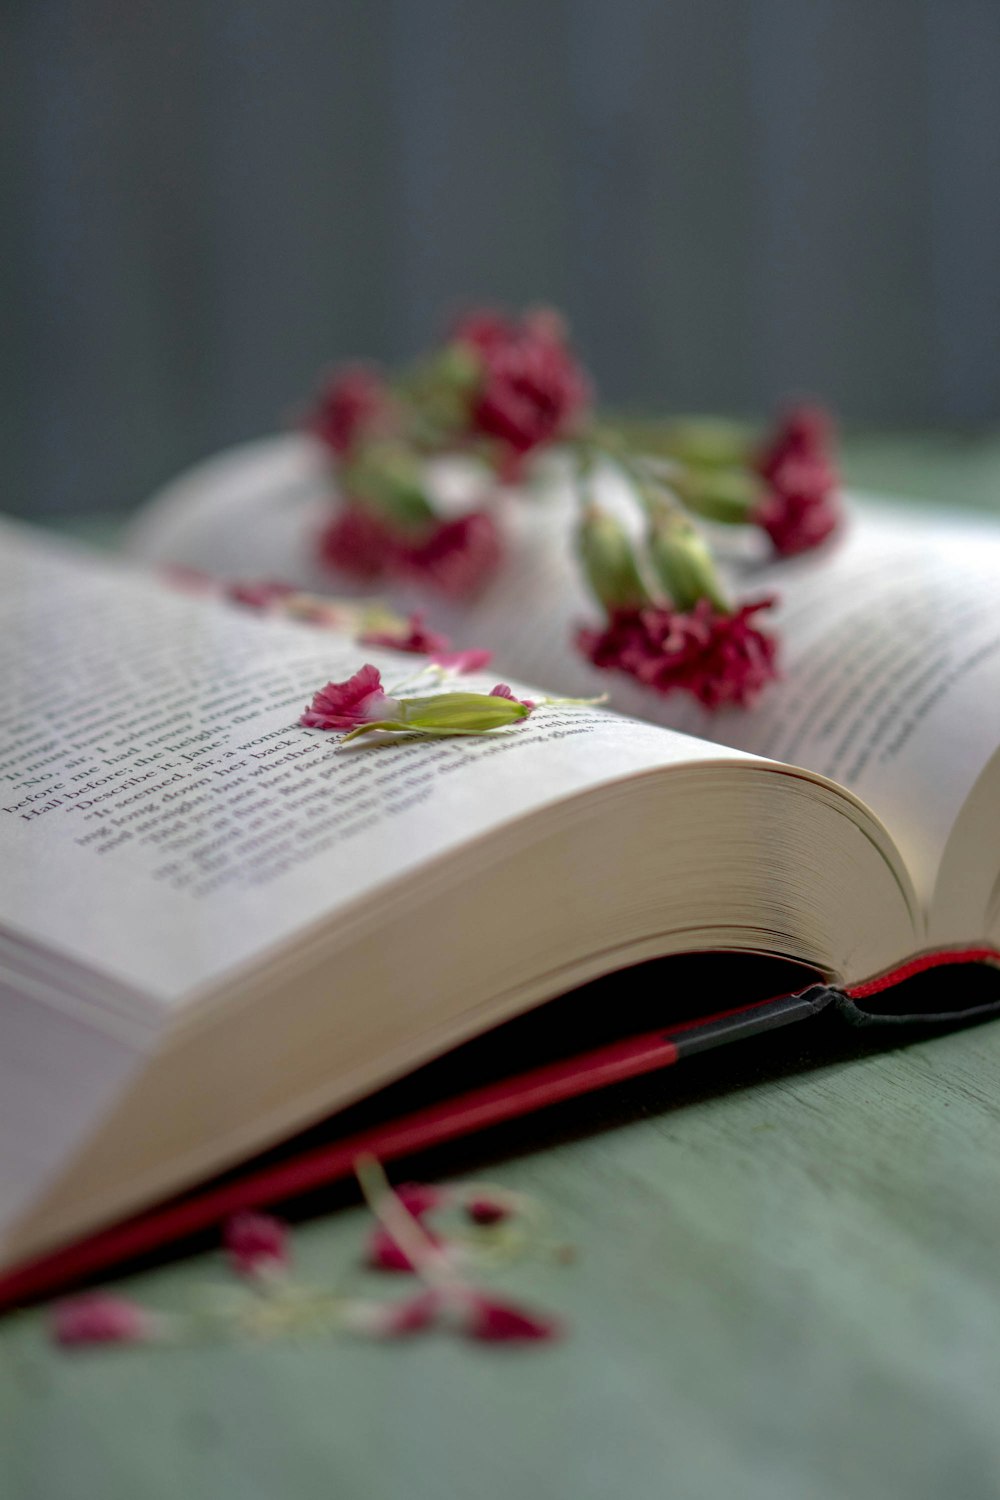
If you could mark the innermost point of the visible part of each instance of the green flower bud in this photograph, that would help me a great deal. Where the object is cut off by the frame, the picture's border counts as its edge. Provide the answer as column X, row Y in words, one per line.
column 609, row 561
column 683, row 562
column 710, row 442
column 441, row 714
column 719, row 494
column 387, row 477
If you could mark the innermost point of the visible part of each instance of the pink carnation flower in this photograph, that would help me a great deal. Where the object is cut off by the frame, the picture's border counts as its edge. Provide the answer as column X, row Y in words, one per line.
column 805, row 432
column 348, row 705
column 352, row 405
column 722, row 659
column 256, row 1244
column 456, row 558
column 100, row 1318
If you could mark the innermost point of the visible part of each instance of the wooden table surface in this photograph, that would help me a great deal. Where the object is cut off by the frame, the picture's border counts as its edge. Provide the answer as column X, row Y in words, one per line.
column 786, row 1285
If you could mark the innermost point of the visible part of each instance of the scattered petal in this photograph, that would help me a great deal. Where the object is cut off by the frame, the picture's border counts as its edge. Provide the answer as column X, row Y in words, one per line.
column 494, row 1321
column 102, row 1318
column 462, row 661
column 487, row 1211
column 384, row 1254
column 257, row 1244
column 387, row 1320
column 258, row 595
column 419, row 1198
column 413, row 636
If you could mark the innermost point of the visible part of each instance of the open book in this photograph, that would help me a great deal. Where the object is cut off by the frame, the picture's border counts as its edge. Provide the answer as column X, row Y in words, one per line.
column 217, row 928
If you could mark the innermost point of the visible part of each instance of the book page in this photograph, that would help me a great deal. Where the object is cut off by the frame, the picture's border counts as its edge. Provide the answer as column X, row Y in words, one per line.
column 890, row 663
column 890, row 635
column 162, row 816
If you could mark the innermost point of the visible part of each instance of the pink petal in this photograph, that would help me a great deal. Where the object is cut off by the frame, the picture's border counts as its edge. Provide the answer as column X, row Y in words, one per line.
column 463, row 661
column 502, row 690
column 419, row 1198
column 101, row 1318
column 394, row 1319
column 256, row 1243
column 487, row 1211
column 384, row 1254
column 494, row 1321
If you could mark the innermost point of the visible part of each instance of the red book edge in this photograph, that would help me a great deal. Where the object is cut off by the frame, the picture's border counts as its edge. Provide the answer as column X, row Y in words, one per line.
column 448, row 1120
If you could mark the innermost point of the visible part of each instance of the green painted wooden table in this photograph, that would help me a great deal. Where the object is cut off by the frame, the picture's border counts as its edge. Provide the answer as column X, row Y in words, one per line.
column 786, row 1286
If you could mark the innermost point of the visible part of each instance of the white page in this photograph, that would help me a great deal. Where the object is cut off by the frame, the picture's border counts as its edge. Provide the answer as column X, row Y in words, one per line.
column 163, row 818
column 890, row 637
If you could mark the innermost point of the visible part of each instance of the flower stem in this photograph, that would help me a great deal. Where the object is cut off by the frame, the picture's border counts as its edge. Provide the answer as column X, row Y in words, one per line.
column 428, row 1261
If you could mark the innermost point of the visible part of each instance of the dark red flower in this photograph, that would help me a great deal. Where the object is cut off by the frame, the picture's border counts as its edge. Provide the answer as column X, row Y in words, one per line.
column 804, row 432
column 413, row 637
column 456, row 558
column 799, row 509
column 531, row 391
column 722, row 659
column 352, row 405
column 356, row 542
column 484, row 329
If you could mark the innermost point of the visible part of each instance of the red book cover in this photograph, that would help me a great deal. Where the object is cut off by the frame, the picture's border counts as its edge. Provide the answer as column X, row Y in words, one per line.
column 953, row 987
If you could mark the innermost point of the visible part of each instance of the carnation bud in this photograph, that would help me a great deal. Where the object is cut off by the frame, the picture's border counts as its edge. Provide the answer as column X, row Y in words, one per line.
column 457, row 367
column 387, row 477
column 446, row 713
column 458, row 712
column 683, row 562
column 609, row 562
column 719, row 494
column 709, row 442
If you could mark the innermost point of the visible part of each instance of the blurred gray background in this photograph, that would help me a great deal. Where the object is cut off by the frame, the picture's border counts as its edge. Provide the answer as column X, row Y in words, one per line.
column 733, row 200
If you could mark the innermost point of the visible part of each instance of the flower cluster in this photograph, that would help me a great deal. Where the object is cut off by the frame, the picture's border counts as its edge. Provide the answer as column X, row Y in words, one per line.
column 677, row 631
column 502, row 391
column 499, row 1227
